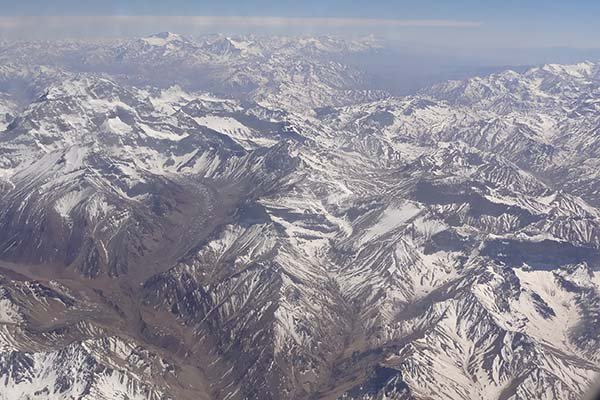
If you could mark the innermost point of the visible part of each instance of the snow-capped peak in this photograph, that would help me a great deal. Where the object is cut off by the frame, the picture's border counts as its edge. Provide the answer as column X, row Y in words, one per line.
column 162, row 38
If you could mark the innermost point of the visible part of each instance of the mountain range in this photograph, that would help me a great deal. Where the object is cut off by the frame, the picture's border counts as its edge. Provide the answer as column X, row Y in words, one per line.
column 246, row 218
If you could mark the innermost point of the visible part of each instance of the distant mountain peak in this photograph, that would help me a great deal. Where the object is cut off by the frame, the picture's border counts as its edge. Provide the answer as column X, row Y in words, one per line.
column 163, row 38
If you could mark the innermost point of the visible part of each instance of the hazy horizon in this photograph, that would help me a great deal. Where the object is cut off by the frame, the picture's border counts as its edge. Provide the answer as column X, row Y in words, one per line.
column 463, row 25
column 422, row 40
column 401, row 66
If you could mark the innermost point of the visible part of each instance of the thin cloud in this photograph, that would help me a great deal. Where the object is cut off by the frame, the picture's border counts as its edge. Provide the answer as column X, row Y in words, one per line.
column 287, row 21
column 31, row 26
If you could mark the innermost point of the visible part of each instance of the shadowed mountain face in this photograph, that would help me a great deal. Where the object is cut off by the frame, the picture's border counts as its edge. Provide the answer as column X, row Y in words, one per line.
column 242, row 218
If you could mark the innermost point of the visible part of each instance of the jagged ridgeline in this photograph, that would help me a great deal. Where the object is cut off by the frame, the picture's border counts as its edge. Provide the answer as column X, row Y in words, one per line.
column 244, row 218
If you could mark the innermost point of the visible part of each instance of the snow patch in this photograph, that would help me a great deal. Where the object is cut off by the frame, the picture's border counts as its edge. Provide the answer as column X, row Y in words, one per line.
column 390, row 219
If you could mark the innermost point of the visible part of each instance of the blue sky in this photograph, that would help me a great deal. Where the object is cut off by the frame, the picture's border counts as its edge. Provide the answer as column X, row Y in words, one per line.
column 423, row 9
column 498, row 23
